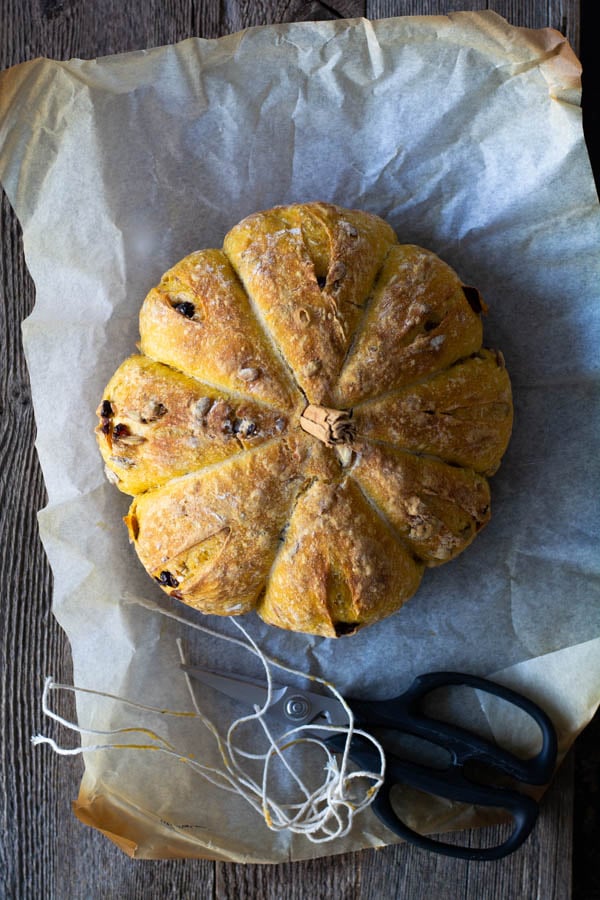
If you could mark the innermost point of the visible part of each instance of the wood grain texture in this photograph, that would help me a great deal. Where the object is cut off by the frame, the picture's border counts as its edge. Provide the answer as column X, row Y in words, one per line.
column 44, row 850
column 562, row 15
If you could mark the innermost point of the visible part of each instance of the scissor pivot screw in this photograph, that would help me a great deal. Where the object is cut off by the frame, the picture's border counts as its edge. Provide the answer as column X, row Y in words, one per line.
column 297, row 708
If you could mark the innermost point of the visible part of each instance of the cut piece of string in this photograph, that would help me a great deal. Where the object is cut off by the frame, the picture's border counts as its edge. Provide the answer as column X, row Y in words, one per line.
column 321, row 814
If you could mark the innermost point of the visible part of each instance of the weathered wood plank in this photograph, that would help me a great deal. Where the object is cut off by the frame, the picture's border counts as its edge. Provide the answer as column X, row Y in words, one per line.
column 563, row 15
column 246, row 13
column 382, row 9
column 320, row 879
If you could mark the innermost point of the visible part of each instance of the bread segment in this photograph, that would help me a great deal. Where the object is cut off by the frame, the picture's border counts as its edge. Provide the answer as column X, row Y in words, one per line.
column 209, row 538
column 198, row 320
column 308, row 270
column 437, row 509
column 340, row 567
column 163, row 424
column 462, row 415
column 418, row 322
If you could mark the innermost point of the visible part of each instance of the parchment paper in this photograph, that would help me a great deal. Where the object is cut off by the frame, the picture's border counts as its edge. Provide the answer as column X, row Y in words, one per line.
column 465, row 134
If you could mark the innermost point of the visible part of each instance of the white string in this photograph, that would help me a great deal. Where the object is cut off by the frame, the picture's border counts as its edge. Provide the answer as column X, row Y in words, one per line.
column 321, row 814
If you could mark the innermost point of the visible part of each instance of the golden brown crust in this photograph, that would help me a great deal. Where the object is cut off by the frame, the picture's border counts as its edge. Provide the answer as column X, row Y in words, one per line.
column 462, row 415
column 164, row 424
column 211, row 536
column 198, row 319
column 436, row 508
column 308, row 270
column 310, row 423
column 418, row 322
column 340, row 566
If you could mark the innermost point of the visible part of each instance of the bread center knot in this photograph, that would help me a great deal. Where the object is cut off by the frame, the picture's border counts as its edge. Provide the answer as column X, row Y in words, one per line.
column 332, row 426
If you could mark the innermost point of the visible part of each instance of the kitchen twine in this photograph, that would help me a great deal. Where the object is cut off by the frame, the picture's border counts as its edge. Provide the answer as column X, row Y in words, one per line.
column 321, row 814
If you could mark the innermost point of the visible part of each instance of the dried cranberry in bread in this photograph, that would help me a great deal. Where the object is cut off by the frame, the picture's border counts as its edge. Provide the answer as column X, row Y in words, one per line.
column 309, row 423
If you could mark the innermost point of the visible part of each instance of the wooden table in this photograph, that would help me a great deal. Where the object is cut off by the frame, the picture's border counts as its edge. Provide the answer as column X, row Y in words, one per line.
column 44, row 850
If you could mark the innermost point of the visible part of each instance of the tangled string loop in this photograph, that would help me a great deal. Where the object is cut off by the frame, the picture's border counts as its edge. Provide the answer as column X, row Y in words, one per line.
column 321, row 813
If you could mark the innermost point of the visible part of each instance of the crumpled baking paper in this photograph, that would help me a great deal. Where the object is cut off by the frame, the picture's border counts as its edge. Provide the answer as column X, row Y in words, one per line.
column 465, row 134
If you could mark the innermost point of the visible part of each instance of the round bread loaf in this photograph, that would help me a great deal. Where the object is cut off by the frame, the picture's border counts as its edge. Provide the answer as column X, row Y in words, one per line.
column 309, row 423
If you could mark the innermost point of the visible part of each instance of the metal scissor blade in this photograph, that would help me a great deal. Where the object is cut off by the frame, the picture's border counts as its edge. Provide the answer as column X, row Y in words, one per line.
column 250, row 692
column 293, row 706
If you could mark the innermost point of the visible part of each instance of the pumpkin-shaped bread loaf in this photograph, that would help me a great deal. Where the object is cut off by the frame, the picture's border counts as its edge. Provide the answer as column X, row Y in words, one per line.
column 309, row 423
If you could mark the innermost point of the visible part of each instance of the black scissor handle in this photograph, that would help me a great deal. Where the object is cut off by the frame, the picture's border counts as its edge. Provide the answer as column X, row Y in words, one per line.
column 522, row 809
column 452, row 785
column 404, row 714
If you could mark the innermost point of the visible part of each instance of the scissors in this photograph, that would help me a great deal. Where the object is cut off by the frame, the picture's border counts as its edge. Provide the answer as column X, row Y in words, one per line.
column 404, row 715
